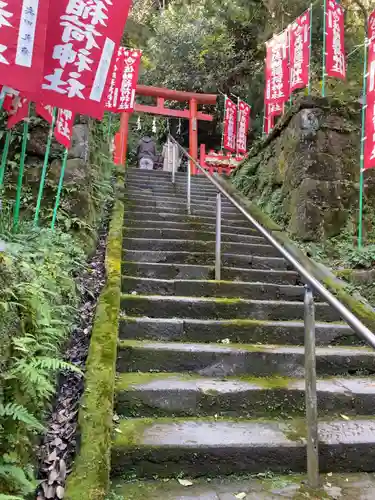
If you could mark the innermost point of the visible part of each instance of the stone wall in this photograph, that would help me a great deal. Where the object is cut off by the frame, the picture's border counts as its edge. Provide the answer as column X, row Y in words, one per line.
column 305, row 174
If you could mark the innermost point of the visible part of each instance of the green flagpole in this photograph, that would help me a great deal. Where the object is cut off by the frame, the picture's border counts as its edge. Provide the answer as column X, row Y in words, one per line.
column 4, row 157
column 310, row 48
column 324, row 48
column 363, row 138
column 45, row 166
column 59, row 189
column 16, row 215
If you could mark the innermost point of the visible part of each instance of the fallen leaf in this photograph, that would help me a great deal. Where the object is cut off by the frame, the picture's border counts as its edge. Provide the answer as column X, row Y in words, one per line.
column 118, row 430
column 60, row 492
column 225, row 341
column 329, row 474
column 240, row 496
column 345, row 417
column 185, row 482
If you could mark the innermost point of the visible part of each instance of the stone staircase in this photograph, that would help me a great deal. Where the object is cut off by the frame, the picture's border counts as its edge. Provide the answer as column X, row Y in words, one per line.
column 211, row 374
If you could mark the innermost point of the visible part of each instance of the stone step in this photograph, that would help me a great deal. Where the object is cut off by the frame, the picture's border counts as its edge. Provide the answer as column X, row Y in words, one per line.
column 189, row 226
column 177, row 198
column 168, row 189
column 158, row 306
column 206, row 258
column 265, row 486
column 160, row 175
column 234, row 331
column 180, row 245
column 202, row 288
column 218, row 360
column 164, row 395
column 191, row 234
column 167, row 207
column 169, row 447
column 172, row 217
column 191, row 272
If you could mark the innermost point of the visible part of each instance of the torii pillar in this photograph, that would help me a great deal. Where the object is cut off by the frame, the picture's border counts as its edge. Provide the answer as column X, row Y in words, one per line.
column 161, row 95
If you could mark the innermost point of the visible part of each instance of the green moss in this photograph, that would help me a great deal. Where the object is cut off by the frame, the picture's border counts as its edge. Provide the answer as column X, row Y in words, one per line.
column 129, row 432
column 297, row 430
column 129, row 344
column 90, row 476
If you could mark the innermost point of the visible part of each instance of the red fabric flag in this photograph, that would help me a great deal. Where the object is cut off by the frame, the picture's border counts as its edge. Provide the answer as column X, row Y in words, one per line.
column 299, row 34
column 132, row 61
column 244, row 111
column 230, row 125
column 277, row 69
column 45, row 112
column 82, row 40
column 369, row 152
column 64, row 127
column 23, row 26
column 121, row 94
column 335, row 40
column 19, row 110
column 268, row 120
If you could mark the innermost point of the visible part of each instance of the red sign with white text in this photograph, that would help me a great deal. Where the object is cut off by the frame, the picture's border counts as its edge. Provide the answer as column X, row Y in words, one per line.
column 277, row 69
column 82, row 41
column 45, row 112
column 19, row 110
column 369, row 151
column 244, row 111
column 299, row 34
column 23, row 26
column 335, row 40
column 64, row 127
column 121, row 94
column 230, row 125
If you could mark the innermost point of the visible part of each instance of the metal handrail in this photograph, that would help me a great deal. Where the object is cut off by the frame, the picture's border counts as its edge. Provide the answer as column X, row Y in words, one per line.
column 358, row 327
column 312, row 449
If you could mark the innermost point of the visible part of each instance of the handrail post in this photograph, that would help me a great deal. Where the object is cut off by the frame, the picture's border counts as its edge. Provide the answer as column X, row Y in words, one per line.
column 218, row 238
column 189, row 189
column 310, row 391
column 173, row 162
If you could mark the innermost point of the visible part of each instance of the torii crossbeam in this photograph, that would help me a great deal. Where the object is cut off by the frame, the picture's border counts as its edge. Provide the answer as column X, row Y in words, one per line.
column 162, row 94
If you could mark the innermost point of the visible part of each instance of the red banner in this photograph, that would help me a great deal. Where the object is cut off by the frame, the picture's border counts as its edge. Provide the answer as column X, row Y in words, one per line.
column 299, row 34
column 230, row 125
column 369, row 152
column 121, row 95
column 268, row 120
column 64, row 127
column 335, row 40
column 18, row 111
column 244, row 111
column 23, row 26
column 277, row 69
column 82, row 40
column 45, row 112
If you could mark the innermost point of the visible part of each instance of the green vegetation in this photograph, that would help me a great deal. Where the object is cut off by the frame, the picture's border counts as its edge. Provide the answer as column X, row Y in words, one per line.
column 39, row 297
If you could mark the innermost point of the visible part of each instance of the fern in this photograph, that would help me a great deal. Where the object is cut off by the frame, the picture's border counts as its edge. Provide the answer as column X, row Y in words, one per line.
column 16, row 475
column 10, row 497
column 19, row 413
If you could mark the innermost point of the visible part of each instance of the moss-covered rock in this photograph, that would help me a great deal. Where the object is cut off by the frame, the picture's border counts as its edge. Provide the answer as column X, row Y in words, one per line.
column 90, row 477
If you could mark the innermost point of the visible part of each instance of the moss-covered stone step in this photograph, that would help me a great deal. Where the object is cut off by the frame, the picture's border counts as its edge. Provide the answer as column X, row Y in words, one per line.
column 157, row 306
column 165, row 448
column 168, row 189
column 235, row 331
column 188, row 226
column 177, row 198
column 202, row 288
column 171, row 207
column 184, row 245
column 152, row 215
column 251, row 262
column 191, row 234
column 163, row 395
column 218, row 360
column 190, row 271
column 259, row 487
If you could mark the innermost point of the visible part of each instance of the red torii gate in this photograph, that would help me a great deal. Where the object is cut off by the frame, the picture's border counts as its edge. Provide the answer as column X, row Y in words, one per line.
column 161, row 95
